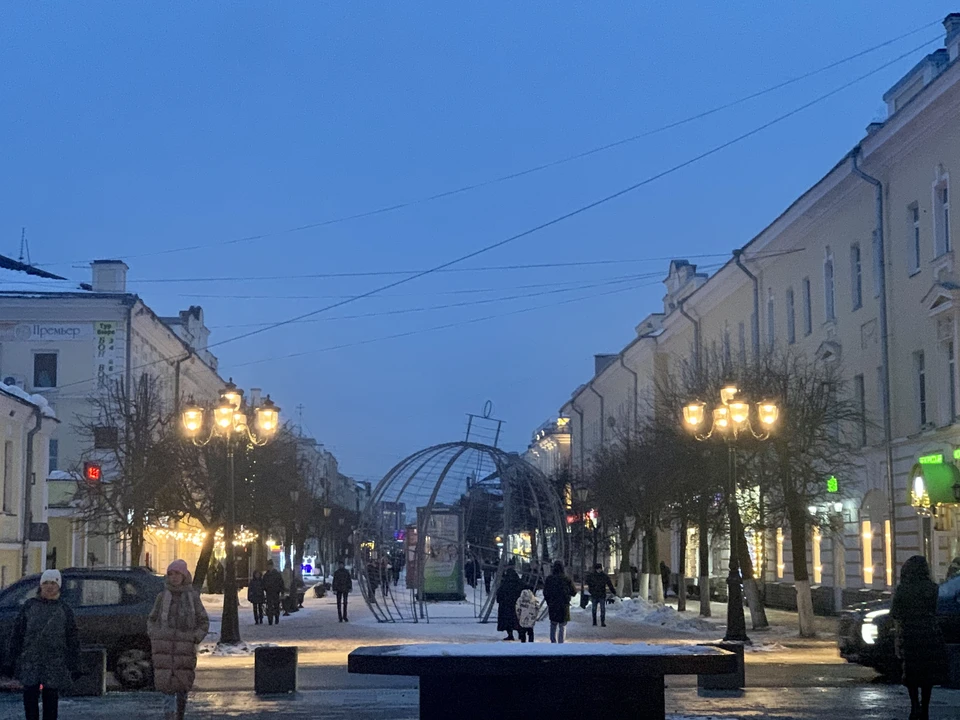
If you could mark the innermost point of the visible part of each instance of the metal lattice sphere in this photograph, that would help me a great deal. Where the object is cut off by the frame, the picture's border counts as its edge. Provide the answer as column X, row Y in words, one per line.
column 442, row 527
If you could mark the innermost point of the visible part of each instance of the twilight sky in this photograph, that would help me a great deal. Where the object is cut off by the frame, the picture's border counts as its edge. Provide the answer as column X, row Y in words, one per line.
column 131, row 129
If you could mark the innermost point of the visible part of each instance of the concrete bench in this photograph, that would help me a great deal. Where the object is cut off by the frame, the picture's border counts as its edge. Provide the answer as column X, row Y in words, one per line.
column 512, row 681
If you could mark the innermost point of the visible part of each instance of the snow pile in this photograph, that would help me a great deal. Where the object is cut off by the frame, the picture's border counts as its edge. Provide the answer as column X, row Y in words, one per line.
column 765, row 647
column 215, row 602
column 38, row 400
column 647, row 613
column 239, row 650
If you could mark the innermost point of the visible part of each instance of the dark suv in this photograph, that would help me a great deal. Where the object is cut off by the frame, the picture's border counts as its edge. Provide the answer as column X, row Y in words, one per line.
column 111, row 607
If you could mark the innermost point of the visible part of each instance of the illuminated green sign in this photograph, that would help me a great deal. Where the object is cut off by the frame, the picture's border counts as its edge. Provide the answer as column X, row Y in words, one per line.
column 956, row 454
column 833, row 485
column 935, row 459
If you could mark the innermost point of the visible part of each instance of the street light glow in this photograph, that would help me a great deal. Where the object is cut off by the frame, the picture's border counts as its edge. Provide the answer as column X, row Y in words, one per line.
column 728, row 393
column 693, row 414
column 739, row 412
column 232, row 394
column 192, row 420
column 769, row 412
column 223, row 416
column 721, row 417
column 268, row 417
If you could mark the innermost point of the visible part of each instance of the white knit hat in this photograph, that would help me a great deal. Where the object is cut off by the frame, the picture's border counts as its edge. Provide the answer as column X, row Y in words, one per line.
column 52, row 576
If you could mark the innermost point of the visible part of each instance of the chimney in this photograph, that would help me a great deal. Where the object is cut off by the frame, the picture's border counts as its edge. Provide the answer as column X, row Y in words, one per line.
column 255, row 397
column 951, row 24
column 109, row 276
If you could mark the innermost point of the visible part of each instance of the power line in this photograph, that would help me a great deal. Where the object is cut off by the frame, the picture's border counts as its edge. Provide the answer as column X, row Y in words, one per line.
column 560, row 218
column 537, row 168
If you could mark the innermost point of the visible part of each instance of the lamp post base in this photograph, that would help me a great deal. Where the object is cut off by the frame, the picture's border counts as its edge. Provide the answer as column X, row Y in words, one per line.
column 736, row 620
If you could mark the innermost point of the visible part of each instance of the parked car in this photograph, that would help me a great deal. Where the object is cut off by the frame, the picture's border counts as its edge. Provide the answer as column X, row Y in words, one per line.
column 111, row 607
column 866, row 633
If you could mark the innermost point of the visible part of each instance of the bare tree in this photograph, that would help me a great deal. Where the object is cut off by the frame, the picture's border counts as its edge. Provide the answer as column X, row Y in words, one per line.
column 134, row 437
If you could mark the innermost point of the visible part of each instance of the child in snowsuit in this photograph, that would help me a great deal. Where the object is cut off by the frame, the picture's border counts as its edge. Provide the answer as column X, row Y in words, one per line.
column 528, row 608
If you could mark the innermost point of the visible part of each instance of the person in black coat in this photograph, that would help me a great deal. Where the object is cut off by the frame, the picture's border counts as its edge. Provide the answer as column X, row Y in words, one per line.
column 342, row 585
column 273, row 587
column 507, row 595
column 919, row 644
column 598, row 582
column 256, row 596
column 45, row 648
column 557, row 591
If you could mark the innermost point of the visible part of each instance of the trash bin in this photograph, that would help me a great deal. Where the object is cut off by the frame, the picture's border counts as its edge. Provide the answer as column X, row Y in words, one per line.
column 93, row 681
column 725, row 681
column 275, row 670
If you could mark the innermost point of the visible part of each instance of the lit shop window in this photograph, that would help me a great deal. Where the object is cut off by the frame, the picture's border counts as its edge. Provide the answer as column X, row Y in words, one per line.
column 867, row 538
column 780, row 565
column 817, row 564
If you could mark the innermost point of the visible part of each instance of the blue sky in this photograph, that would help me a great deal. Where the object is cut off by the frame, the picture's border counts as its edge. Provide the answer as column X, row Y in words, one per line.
column 133, row 128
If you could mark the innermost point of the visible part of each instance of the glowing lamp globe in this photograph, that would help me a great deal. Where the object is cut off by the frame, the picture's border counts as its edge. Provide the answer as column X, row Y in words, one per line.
column 693, row 414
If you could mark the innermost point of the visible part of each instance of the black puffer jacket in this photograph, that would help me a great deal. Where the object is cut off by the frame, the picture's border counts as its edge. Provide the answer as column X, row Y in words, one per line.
column 919, row 643
column 557, row 591
column 342, row 582
column 507, row 595
column 45, row 645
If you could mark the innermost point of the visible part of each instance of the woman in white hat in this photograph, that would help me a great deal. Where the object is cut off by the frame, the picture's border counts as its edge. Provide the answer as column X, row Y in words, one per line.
column 45, row 648
column 176, row 626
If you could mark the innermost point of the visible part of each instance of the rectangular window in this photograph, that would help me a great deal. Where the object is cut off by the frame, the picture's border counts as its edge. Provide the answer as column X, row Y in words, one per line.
column 771, row 320
column 817, row 560
column 856, row 277
column 54, row 455
column 105, row 437
column 807, row 309
column 8, row 477
column 791, row 318
column 829, row 294
column 920, row 373
column 913, row 218
column 742, row 338
column 942, row 218
column 951, row 382
column 867, row 540
column 859, row 397
column 45, row 370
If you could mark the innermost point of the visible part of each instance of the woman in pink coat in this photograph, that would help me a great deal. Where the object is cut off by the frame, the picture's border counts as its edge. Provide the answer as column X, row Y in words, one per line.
column 176, row 626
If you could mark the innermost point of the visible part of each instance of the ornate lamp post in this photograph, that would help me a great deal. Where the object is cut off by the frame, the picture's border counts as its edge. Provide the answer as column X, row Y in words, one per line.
column 229, row 422
column 731, row 418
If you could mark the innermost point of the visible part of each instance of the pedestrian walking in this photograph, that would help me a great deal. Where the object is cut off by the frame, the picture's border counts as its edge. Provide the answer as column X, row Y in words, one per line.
column 665, row 577
column 528, row 609
column 919, row 643
column 176, row 625
column 44, row 648
column 256, row 596
column 507, row 595
column 598, row 582
column 342, row 585
column 558, row 589
column 488, row 570
column 272, row 589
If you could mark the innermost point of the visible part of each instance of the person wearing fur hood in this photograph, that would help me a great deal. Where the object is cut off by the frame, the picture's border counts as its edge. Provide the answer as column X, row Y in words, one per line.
column 176, row 625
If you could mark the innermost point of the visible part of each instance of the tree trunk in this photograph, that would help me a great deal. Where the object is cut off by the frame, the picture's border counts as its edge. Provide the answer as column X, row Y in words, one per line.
column 645, row 566
column 801, row 574
column 136, row 546
column 203, row 562
column 704, row 553
column 682, row 567
column 656, row 584
column 627, row 540
column 758, row 614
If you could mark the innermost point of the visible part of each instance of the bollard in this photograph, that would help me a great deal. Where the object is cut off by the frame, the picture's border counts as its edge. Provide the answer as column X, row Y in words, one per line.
column 726, row 681
column 93, row 681
column 275, row 670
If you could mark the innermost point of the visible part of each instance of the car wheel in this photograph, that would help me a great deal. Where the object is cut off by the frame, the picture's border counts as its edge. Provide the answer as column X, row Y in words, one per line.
column 134, row 669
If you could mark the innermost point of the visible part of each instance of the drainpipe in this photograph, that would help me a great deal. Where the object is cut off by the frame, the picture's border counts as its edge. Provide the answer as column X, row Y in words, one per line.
column 884, row 353
column 579, row 412
column 755, row 320
column 696, row 334
column 636, row 394
column 602, row 413
column 28, row 494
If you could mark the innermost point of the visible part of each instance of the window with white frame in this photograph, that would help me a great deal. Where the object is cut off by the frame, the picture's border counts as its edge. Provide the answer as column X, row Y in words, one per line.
column 791, row 318
column 920, row 378
column 807, row 308
column 829, row 294
column 8, row 478
column 856, row 277
column 913, row 227
column 771, row 321
column 941, row 196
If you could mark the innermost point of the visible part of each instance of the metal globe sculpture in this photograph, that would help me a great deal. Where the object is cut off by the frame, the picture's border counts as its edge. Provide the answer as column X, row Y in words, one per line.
column 444, row 524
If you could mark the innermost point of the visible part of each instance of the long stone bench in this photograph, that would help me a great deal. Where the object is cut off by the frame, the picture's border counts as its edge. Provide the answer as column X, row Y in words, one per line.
column 482, row 681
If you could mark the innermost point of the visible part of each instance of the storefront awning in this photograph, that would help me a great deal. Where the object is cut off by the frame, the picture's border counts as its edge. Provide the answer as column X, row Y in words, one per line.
column 932, row 484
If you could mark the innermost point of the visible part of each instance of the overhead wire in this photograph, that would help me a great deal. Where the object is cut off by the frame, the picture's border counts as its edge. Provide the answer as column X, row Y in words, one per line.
column 560, row 218
column 537, row 168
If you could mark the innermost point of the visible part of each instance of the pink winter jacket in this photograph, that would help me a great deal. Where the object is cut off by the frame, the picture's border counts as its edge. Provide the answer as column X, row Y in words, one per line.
column 174, row 647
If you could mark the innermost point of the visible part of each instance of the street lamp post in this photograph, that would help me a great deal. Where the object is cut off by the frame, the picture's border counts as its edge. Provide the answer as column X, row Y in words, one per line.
column 582, row 494
column 730, row 419
column 229, row 422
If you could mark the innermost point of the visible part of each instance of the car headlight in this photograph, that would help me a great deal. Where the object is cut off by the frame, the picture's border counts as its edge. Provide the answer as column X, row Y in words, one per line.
column 869, row 633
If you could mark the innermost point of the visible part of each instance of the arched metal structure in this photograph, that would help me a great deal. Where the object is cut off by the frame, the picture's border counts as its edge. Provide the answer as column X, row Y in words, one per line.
column 448, row 520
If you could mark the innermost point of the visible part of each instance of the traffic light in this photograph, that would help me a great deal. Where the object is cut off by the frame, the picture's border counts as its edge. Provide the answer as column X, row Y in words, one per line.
column 92, row 472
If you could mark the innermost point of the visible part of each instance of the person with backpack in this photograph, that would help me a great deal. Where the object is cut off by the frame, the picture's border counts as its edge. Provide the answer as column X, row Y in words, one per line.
column 44, row 648
column 256, row 596
column 558, row 589
column 528, row 609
